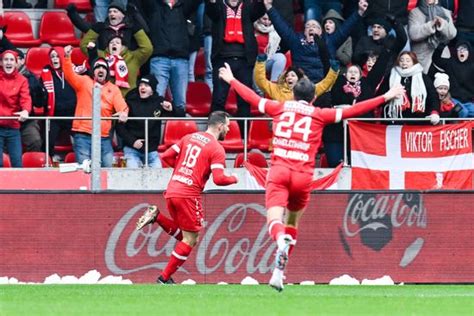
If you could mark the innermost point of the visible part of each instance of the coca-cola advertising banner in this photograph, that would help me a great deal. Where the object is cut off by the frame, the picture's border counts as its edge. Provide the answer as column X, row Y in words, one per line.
column 412, row 237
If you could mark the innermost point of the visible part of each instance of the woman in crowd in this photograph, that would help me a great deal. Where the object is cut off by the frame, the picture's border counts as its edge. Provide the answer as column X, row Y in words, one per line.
column 429, row 25
column 420, row 99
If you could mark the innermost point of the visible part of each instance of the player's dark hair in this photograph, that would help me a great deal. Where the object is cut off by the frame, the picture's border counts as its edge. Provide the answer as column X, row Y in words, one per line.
column 304, row 90
column 216, row 118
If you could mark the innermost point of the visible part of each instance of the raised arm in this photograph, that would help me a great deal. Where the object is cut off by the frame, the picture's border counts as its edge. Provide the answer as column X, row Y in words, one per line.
column 225, row 73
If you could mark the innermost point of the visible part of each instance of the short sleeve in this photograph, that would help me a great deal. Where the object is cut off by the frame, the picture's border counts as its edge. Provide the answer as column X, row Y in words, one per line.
column 218, row 158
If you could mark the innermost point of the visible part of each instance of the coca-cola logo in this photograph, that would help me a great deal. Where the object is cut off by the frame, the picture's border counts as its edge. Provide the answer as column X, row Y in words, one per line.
column 225, row 244
column 375, row 218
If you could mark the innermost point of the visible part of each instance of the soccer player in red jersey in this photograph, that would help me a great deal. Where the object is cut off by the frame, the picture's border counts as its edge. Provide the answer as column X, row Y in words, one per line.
column 194, row 158
column 297, row 131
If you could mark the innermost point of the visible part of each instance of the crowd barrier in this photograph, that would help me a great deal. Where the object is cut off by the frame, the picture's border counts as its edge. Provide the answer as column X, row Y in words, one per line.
column 413, row 237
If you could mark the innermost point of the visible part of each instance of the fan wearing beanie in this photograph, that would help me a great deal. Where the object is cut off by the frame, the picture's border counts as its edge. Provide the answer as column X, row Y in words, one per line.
column 446, row 103
column 124, row 64
column 144, row 101
column 112, row 103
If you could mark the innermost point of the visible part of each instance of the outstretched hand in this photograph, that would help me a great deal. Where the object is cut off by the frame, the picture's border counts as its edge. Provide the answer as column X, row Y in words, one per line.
column 225, row 73
column 395, row 92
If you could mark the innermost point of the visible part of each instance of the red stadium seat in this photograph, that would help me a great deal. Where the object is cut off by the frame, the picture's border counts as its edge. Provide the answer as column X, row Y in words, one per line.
column 233, row 139
column 19, row 29
column 231, row 102
column 299, row 22
column 63, row 142
column 56, row 29
column 254, row 157
column 174, row 131
column 82, row 5
column 70, row 157
column 6, row 161
column 323, row 161
column 198, row 99
column 77, row 56
column 35, row 160
column 36, row 59
column 260, row 135
column 200, row 65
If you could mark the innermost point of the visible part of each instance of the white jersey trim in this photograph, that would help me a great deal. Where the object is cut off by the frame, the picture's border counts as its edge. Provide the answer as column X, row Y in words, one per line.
column 176, row 148
column 261, row 105
column 217, row 166
column 338, row 116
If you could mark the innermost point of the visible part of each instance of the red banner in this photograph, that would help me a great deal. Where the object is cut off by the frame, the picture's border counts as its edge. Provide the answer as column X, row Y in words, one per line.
column 410, row 237
column 411, row 157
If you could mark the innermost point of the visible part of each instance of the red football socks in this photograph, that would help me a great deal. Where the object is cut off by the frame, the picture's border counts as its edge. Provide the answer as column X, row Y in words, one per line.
column 276, row 228
column 178, row 257
column 293, row 232
column 169, row 226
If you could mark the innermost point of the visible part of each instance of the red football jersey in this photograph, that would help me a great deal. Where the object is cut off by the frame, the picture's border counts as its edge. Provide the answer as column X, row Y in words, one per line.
column 297, row 131
column 198, row 154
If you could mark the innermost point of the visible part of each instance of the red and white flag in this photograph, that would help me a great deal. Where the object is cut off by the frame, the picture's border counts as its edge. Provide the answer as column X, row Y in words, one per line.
column 411, row 157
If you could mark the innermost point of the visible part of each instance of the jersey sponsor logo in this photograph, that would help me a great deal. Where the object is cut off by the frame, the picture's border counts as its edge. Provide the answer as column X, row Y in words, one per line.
column 185, row 171
column 291, row 154
column 298, row 107
column 182, row 179
column 201, row 138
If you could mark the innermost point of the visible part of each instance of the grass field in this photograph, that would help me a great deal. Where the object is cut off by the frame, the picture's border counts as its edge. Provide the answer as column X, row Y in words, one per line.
column 235, row 300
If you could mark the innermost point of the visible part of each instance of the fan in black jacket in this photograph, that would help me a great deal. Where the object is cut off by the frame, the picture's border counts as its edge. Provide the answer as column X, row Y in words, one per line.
column 144, row 102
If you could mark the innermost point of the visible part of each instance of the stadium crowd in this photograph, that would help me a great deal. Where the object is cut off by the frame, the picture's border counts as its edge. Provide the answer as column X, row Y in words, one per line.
column 143, row 55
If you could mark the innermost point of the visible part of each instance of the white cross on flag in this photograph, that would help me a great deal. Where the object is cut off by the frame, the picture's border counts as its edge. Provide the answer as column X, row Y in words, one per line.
column 411, row 157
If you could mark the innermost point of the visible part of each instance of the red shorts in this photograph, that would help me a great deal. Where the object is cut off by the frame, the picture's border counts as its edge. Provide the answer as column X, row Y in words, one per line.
column 186, row 212
column 288, row 188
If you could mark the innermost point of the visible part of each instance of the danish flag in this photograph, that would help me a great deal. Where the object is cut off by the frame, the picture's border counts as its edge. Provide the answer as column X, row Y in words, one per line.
column 411, row 157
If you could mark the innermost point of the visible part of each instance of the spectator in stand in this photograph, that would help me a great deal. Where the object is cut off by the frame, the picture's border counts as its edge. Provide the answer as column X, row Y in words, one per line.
column 144, row 102
column 282, row 90
column 101, row 8
column 124, row 64
column 112, row 104
column 316, row 9
column 233, row 42
column 460, row 68
column 465, row 21
column 420, row 99
column 30, row 129
column 354, row 86
column 331, row 22
column 61, row 97
column 171, row 45
column 429, row 25
column 446, row 102
column 15, row 100
column 118, row 23
column 268, row 42
column 381, row 8
column 305, row 53
column 375, row 43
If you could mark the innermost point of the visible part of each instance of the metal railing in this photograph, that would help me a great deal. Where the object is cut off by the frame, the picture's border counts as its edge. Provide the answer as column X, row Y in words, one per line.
column 48, row 120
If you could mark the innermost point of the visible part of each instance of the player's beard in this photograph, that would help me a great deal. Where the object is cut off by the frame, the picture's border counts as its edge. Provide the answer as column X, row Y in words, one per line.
column 221, row 136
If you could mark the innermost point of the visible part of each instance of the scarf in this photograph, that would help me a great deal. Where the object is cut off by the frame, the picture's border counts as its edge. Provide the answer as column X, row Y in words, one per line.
column 273, row 38
column 395, row 107
column 118, row 69
column 48, row 82
column 431, row 11
column 233, row 26
column 353, row 89
column 446, row 104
